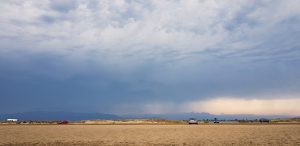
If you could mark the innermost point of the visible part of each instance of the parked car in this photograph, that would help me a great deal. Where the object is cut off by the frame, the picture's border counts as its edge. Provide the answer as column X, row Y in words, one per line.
column 63, row 122
column 216, row 121
column 192, row 121
column 263, row 120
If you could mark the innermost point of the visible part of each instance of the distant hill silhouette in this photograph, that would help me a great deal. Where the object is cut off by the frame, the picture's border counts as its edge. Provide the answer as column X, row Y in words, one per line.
column 72, row 116
column 199, row 116
column 38, row 115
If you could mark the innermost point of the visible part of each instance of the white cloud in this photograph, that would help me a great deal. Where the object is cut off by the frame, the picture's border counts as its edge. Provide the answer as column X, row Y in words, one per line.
column 260, row 105
column 123, row 27
column 238, row 105
column 130, row 33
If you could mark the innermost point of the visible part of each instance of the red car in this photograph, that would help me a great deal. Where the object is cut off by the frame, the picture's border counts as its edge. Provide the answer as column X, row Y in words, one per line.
column 63, row 122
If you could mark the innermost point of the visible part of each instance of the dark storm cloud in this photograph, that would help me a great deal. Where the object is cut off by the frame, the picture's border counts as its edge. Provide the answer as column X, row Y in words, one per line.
column 101, row 55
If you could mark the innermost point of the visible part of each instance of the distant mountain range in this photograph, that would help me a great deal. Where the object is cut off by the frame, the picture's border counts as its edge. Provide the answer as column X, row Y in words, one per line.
column 71, row 116
column 43, row 116
column 202, row 116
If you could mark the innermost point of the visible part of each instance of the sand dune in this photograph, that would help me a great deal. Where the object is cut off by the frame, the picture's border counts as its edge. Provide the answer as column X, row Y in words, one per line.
column 150, row 135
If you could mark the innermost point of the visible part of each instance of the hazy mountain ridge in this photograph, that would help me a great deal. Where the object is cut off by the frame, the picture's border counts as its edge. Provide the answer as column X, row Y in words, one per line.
column 72, row 116
column 200, row 116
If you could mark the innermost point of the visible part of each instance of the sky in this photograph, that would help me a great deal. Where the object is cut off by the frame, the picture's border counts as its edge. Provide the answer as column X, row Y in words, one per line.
column 150, row 57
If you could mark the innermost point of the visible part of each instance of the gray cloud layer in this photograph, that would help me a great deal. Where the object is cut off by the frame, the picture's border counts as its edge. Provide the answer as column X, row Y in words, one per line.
column 98, row 55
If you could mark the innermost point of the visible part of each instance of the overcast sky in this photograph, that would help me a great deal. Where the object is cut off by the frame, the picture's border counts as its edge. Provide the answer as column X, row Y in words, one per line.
column 159, row 56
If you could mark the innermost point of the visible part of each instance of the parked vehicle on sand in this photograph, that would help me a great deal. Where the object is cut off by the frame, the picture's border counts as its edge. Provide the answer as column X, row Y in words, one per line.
column 216, row 121
column 192, row 121
column 264, row 120
column 63, row 122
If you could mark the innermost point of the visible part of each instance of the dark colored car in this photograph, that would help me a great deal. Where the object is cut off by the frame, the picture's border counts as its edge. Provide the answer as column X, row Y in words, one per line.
column 63, row 122
column 216, row 121
column 263, row 120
